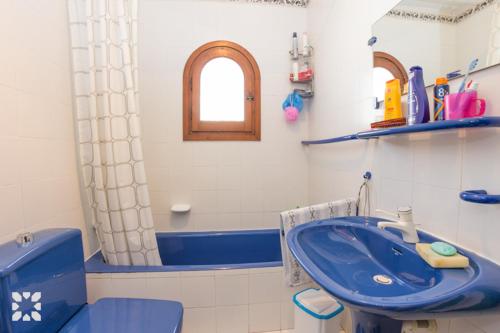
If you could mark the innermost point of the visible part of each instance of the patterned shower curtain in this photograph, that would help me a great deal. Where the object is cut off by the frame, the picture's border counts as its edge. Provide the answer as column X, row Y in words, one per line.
column 494, row 47
column 104, row 49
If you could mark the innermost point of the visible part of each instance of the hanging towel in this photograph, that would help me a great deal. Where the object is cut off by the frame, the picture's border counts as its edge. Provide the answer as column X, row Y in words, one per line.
column 294, row 274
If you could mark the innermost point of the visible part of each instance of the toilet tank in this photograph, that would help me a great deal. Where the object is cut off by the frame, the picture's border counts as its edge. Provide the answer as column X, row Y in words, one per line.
column 42, row 284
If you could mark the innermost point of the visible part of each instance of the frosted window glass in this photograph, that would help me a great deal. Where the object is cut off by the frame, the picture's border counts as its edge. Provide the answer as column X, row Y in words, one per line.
column 380, row 77
column 222, row 89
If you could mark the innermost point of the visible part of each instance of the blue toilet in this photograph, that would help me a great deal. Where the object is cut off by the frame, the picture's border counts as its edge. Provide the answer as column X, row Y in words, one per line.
column 42, row 290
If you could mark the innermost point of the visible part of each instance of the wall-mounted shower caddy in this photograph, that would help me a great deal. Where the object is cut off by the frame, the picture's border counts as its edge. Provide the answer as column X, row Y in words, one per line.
column 302, row 63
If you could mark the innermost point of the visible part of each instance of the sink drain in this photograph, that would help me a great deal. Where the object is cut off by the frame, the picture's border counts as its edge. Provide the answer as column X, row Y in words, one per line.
column 382, row 279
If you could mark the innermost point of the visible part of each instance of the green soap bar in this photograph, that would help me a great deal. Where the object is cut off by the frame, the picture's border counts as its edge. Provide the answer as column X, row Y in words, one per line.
column 443, row 249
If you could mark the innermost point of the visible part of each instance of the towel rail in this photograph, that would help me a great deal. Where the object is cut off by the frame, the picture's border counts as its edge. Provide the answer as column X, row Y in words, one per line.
column 480, row 197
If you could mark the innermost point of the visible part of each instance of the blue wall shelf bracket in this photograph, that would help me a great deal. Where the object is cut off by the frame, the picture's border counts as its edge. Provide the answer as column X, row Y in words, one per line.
column 480, row 197
column 419, row 128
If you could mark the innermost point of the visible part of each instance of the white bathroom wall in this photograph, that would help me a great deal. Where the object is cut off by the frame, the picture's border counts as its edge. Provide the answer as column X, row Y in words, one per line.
column 426, row 171
column 231, row 185
column 38, row 174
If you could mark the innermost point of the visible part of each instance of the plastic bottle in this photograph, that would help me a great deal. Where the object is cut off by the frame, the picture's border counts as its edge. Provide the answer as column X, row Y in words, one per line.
column 305, row 45
column 418, row 102
column 393, row 100
column 295, row 71
column 441, row 89
column 295, row 46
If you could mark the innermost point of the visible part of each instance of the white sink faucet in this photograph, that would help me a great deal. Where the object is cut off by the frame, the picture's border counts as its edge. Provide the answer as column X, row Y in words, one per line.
column 404, row 223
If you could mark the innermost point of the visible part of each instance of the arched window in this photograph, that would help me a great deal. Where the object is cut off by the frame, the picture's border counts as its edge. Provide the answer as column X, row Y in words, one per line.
column 221, row 94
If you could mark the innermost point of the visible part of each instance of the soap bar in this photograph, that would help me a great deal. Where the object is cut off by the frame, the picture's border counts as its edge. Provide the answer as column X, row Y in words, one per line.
column 438, row 261
column 443, row 249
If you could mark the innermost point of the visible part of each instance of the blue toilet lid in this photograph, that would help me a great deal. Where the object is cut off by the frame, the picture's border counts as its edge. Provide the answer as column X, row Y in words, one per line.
column 127, row 315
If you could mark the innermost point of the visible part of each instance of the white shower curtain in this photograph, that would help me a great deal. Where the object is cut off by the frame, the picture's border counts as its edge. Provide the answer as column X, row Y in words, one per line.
column 104, row 49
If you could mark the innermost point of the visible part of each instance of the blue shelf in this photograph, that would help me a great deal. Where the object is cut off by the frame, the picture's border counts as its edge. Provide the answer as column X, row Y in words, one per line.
column 428, row 127
column 332, row 140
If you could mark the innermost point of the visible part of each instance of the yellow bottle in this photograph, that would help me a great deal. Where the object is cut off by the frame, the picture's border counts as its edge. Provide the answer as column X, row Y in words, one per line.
column 393, row 100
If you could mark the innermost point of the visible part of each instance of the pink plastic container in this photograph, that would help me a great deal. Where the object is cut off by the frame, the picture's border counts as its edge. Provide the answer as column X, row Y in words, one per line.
column 464, row 105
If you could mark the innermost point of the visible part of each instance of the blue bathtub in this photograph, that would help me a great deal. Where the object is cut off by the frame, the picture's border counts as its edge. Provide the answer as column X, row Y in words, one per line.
column 195, row 251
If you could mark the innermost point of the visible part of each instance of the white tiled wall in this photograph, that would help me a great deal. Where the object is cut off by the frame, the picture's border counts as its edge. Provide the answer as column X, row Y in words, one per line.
column 231, row 185
column 38, row 175
column 425, row 171
column 233, row 301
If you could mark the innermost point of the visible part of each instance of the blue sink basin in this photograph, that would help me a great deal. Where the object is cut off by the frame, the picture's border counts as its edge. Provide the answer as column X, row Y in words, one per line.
column 352, row 259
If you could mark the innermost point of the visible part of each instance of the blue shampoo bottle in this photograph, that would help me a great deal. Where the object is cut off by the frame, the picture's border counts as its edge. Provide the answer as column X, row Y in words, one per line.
column 418, row 102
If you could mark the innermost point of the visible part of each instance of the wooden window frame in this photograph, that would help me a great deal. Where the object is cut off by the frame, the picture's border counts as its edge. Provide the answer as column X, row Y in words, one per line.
column 393, row 65
column 196, row 130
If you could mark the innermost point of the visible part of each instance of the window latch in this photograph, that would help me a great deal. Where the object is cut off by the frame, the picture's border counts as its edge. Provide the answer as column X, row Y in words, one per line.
column 250, row 98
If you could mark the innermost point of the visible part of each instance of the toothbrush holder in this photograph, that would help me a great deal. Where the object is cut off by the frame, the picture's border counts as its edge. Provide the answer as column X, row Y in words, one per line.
column 464, row 105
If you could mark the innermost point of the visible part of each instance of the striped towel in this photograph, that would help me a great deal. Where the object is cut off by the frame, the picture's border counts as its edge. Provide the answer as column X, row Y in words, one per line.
column 294, row 274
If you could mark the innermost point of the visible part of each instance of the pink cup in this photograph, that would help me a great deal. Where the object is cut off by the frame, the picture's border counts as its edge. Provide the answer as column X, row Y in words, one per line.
column 463, row 105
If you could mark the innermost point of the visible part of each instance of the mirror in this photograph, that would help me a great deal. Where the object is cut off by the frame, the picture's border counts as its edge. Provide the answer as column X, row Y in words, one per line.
column 442, row 36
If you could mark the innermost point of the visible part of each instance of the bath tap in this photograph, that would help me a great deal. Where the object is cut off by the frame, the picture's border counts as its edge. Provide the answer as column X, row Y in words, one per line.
column 404, row 223
column 24, row 239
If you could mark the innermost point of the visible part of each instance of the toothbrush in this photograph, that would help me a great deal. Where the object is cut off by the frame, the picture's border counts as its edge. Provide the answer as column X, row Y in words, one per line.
column 472, row 86
column 472, row 66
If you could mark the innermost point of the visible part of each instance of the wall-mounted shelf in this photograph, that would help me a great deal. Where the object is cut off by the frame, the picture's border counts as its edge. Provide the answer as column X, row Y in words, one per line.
column 419, row 128
column 301, row 55
column 304, row 93
column 301, row 81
